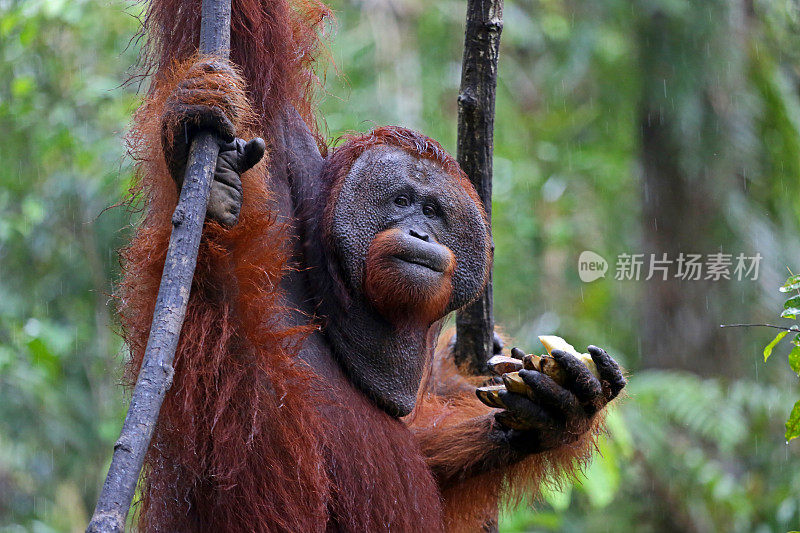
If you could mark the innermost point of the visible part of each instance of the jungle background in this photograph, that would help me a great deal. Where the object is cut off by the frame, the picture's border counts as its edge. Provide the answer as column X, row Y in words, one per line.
column 635, row 126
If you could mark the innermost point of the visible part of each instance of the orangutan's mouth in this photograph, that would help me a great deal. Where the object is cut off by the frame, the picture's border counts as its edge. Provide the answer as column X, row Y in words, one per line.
column 422, row 261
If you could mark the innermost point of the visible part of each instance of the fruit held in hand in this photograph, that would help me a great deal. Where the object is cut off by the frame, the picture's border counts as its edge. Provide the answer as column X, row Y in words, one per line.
column 552, row 342
column 513, row 383
column 508, row 368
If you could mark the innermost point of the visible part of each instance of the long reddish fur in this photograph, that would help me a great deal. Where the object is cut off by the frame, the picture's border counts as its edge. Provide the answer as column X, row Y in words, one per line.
column 274, row 43
column 231, row 447
column 239, row 442
column 228, row 428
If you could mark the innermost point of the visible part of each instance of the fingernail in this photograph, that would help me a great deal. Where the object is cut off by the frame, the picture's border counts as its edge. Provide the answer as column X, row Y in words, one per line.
column 500, row 364
column 490, row 395
column 514, row 383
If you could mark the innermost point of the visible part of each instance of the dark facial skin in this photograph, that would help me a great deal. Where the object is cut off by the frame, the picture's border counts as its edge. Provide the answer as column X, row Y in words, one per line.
column 388, row 188
column 412, row 246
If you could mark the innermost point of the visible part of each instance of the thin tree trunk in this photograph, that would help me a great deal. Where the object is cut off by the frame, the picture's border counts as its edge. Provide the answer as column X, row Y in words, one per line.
column 475, row 323
column 155, row 375
column 680, row 318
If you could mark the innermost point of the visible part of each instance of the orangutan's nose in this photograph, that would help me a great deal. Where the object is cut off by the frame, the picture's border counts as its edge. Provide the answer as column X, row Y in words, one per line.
column 419, row 235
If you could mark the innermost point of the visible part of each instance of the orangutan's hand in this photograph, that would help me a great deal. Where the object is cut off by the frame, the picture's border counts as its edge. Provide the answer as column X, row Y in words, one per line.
column 540, row 414
column 203, row 101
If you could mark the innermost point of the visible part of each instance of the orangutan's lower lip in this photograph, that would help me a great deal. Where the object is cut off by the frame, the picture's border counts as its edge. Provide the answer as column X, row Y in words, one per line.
column 421, row 252
column 429, row 263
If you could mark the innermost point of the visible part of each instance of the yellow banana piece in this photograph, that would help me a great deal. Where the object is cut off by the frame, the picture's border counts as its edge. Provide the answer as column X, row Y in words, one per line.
column 553, row 342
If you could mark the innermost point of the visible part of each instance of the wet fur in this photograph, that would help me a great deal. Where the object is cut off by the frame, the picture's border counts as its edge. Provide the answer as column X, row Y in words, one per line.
column 225, row 431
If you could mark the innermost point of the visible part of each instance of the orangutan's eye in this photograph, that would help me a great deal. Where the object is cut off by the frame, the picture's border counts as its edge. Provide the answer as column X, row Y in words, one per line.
column 428, row 210
column 402, row 201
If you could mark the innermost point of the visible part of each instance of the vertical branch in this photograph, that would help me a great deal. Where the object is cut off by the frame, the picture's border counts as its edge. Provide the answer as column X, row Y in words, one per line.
column 475, row 323
column 155, row 374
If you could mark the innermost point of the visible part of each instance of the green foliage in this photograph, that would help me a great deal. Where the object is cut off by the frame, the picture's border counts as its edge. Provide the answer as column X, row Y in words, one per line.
column 62, row 113
column 769, row 347
column 688, row 430
column 690, row 460
column 793, row 423
column 794, row 358
column 683, row 453
column 597, row 486
column 791, row 308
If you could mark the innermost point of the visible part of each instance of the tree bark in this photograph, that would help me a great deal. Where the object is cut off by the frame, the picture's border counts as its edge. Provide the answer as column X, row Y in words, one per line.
column 475, row 323
column 680, row 318
column 155, row 375
column 689, row 165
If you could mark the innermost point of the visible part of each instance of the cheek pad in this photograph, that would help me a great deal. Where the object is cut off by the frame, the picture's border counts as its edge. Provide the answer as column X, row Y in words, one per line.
column 357, row 215
column 352, row 232
column 470, row 242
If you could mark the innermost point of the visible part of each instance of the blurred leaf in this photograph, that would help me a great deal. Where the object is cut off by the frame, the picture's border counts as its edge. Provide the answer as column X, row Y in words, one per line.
column 768, row 348
column 792, row 284
column 794, row 359
column 559, row 499
column 793, row 423
column 619, row 432
column 22, row 86
column 602, row 478
column 43, row 357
